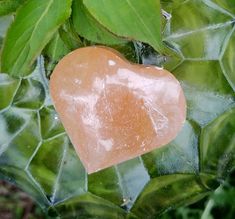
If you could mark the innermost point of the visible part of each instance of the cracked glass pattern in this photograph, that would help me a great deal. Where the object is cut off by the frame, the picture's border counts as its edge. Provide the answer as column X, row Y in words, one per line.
column 36, row 154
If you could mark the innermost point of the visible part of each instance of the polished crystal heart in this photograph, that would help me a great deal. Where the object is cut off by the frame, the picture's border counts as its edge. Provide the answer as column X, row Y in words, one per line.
column 113, row 110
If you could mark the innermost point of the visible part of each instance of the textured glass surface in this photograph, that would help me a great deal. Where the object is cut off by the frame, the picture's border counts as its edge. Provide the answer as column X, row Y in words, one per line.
column 35, row 152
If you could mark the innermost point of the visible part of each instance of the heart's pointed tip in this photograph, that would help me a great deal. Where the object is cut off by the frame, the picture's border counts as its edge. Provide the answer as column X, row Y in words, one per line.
column 91, row 170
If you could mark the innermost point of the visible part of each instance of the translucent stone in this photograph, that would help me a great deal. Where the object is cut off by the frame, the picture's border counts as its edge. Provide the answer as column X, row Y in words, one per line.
column 113, row 110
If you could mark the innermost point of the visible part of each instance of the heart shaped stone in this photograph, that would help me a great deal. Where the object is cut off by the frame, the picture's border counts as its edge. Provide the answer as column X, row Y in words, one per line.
column 113, row 110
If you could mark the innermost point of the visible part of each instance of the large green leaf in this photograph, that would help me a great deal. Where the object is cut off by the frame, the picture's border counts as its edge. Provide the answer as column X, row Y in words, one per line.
column 33, row 27
column 36, row 154
column 89, row 28
column 134, row 19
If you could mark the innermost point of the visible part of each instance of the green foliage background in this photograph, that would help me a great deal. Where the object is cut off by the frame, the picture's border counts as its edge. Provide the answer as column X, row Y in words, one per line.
column 194, row 39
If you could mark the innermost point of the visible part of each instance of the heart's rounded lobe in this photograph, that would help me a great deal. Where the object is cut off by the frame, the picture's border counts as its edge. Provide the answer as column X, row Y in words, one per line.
column 113, row 110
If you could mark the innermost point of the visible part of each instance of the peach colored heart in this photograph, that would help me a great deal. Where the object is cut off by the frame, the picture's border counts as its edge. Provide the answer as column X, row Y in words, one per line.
column 113, row 110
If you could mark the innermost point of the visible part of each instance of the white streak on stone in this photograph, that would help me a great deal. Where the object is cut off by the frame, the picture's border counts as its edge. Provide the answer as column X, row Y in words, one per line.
column 77, row 81
column 158, row 68
column 111, row 62
column 106, row 143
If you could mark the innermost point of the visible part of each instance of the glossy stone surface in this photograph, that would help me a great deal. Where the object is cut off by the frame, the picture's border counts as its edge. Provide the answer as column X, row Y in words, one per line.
column 113, row 110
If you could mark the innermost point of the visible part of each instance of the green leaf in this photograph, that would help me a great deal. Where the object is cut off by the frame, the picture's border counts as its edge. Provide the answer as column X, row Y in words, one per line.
column 89, row 28
column 64, row 41
column 128, row 50
column 34, row 25
column 134, row 19
column 69, row 36
column 9, row 6
column 54, row 51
